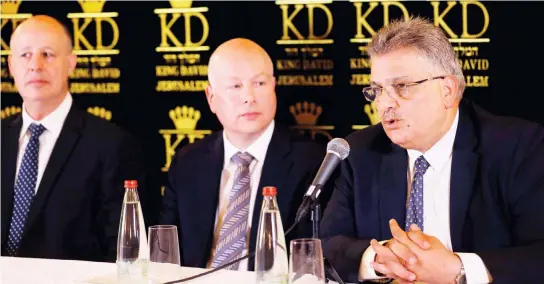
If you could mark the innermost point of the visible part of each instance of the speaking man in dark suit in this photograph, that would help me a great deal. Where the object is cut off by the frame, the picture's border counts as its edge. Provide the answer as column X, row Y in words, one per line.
column 233, row 165
column 452, row 193
column 62, row 169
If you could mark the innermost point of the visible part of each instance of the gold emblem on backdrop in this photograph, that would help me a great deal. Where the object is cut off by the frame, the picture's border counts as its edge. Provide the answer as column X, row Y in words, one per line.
column 10, row 20
column 100, row 112
column 306, row 115
column 169, row 41
column 95, row 73
column 185, row 119
column 372, row 114
column 92, row 12
column 182, row 48
column 9, row 111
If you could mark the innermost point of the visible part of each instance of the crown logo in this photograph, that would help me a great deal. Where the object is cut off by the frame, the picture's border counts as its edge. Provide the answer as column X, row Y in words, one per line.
column 9, row 111
column 185, row 117
column 372, row 113
column 91, row 6
column 306, row 113
column 181, row 3
column 100, row 112
column 10, row 6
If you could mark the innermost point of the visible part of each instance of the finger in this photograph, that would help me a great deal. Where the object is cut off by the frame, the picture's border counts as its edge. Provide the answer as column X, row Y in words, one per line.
column 418, row 237
column 400, row 271
column 402, row 252
column 383, row 252
column 401, row 236
column 381, row 268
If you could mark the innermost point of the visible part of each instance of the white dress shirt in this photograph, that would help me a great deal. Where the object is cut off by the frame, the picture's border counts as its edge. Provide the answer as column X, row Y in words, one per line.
column 436, row 203
column 258, row 150
column 53, row 123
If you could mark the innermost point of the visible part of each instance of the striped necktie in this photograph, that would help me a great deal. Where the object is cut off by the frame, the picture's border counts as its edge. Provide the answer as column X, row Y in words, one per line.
column 24, row 188
column 232, row 236
column 414, row 213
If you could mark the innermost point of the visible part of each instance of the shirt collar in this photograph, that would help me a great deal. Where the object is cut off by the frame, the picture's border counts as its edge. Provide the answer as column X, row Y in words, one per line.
column 439, row 153
column 53, row 122
column 257, row 149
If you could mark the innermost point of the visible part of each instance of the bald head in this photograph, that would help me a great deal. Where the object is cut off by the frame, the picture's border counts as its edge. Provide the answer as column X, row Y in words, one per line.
column 232, row 54
column 43, row 23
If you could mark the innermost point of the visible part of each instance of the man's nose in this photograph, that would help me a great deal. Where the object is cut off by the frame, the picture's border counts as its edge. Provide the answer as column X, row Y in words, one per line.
column 36, row 62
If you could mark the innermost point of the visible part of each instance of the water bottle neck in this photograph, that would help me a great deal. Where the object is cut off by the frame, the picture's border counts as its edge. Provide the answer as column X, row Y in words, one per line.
column 131, row 194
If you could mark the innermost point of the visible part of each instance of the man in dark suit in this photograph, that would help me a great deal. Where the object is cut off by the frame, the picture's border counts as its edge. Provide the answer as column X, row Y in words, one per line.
column 453, row 193
column 62, row 169
column 233, row 165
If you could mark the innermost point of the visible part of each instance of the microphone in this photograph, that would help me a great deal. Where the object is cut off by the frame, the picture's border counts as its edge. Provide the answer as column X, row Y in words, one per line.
column 337, row 150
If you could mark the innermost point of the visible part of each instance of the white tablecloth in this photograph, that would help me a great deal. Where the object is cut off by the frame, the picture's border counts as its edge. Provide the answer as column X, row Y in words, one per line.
column 50, row 271
column 15, row 270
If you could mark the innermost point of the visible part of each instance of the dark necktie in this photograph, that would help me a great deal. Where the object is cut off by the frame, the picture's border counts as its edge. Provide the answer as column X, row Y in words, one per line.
column 414, row 212
column 24, row 188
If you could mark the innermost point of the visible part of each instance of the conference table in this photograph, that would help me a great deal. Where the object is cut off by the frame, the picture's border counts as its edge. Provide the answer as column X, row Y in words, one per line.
column 52, row 271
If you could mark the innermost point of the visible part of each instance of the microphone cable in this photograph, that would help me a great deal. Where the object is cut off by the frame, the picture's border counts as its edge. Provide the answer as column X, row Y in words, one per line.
column 225, row 265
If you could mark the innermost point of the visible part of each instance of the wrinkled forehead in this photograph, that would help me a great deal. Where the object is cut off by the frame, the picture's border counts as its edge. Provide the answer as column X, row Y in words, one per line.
column 399, row 65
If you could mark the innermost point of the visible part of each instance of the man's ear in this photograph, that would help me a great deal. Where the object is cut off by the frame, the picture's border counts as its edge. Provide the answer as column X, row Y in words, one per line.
column 72, row 63
column 210, row 96
column 450, row 91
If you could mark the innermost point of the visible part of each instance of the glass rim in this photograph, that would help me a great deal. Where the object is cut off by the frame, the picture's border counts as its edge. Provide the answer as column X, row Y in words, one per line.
column 155, row 227
column 305, row 241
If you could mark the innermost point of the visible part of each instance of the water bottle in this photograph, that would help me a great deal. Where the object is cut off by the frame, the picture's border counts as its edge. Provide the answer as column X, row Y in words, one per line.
column 271, row 264
column 132, row 247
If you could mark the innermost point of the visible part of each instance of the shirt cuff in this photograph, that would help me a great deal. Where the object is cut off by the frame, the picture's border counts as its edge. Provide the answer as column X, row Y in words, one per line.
column 366, row 272
column 475, row 270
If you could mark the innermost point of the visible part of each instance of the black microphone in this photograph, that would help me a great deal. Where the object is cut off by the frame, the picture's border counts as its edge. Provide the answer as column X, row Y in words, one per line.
column 337, row 150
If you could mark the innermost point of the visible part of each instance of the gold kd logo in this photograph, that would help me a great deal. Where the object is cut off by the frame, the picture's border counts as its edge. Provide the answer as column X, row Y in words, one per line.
column 10, row 17
column 185, row 119
column 92, row 12
column 311, row 6
column 169, row 41
column 306, row 115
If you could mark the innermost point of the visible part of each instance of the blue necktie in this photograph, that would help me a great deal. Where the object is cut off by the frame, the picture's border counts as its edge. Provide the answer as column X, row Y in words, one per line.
column 232, row 237
column 414, row 213
column 24, row 188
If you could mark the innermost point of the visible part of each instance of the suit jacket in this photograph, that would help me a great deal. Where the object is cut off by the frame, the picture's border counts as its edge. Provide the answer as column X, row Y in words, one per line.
column 76, row 210
column 192, row 195
column 496, row 196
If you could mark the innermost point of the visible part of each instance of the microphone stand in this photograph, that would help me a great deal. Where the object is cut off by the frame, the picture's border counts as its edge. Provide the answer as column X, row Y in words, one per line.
column 316, row 218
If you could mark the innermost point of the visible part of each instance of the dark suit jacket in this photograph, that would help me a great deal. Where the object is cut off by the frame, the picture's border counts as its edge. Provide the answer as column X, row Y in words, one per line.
column 496, row 196
column 76, row 211
column 192, row 195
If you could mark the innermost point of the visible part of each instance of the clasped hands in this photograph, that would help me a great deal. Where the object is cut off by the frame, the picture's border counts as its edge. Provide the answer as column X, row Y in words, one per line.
column 413, row 256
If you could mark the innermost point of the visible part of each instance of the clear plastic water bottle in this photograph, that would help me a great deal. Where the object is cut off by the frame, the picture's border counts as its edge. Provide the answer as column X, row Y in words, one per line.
column 271, row 261
column 132, row 246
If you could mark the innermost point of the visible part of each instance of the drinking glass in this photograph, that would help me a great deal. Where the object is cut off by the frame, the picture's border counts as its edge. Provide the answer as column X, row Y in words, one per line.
column 306, row 262
column 163, row 244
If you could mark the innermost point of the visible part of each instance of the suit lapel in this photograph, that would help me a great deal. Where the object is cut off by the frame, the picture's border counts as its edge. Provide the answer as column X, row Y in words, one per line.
column 67, row 140
column 463, row 172
column 392, row 186
column 9, row 163
column 275, row 169
column 208, row 172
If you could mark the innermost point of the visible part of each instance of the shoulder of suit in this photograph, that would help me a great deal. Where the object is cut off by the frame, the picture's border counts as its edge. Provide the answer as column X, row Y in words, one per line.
column 194, row 150
column 370, row 138
column 504, row 130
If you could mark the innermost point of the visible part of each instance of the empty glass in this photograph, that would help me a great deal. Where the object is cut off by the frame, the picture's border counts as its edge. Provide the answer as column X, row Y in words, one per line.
column 306, row 262
column 163, row 244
